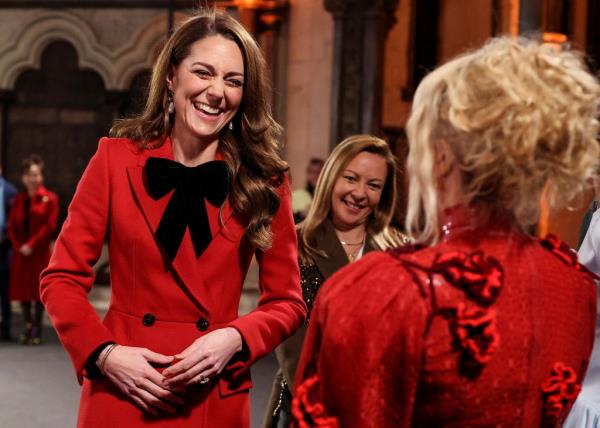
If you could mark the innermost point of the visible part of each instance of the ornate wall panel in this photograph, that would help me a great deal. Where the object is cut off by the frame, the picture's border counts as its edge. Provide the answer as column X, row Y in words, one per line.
column 117, row 67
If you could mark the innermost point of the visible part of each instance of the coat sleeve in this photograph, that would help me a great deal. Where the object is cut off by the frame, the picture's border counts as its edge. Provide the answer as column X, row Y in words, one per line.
column 281, row 309
column 69, row 276
column 44, row 234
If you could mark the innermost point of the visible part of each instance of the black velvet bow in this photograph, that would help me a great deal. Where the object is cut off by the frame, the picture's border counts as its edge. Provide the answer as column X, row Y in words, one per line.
column 186, row 207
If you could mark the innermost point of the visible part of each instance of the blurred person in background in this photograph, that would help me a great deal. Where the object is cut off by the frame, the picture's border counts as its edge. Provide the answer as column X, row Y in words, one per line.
column 302, row 198
column 31, row 227
column 354, row 203
column 586, row 410
column 589, row 212
column 187, row 192
column 487, row 326
column 7, row 194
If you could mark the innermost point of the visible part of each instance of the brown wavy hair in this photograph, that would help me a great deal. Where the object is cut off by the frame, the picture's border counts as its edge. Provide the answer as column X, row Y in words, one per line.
column 378, row 223
column 31, row 160
column 520, row 117
column 252, row 149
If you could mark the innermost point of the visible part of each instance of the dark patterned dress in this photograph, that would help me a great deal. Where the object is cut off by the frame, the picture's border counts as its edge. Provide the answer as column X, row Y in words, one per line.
column 311, row 280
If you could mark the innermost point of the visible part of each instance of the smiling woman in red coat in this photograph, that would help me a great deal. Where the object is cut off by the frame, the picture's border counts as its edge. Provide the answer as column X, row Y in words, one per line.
column 31, row 227
column 186, row 194
column 487, row 326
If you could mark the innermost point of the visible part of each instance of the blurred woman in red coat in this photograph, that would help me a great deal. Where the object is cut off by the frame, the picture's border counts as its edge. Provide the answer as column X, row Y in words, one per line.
column 31, row 226
column 488, row 326
column 186, row 193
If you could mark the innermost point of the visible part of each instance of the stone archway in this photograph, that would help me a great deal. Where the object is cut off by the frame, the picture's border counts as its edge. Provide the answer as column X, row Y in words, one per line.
column 62, row 85
column 117, row 67
column 58, row 112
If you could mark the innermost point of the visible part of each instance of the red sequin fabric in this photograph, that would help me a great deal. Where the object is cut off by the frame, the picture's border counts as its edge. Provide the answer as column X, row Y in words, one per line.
column 490, row 327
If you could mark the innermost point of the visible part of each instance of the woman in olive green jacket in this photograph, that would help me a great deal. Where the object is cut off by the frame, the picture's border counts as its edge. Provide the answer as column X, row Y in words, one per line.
column 351, row 214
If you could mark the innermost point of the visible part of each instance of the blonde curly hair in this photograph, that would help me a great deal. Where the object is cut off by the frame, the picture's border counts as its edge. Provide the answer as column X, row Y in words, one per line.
column 520, row 118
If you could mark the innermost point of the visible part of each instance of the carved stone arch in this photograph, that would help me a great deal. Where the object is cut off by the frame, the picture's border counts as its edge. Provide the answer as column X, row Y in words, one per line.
column 139, row 54
column 44, row 29
column 117, row 68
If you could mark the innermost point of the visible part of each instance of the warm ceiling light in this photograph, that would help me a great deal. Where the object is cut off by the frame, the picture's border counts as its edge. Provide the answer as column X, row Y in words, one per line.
column 554, row 39
column 259, row 4
column 247, row 4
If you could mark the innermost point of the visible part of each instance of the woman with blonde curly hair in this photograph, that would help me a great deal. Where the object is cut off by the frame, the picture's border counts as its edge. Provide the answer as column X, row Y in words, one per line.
column 351, row 215
column 487, row 325
column 186, row 193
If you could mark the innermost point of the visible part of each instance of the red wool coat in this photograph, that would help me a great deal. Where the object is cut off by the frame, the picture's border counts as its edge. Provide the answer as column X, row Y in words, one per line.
column 489, row 328
column 43, row 215
column 163, row 305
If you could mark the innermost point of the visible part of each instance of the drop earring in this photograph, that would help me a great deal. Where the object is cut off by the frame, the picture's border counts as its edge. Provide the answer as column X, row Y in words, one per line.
column 231, row 126
column 171, row 106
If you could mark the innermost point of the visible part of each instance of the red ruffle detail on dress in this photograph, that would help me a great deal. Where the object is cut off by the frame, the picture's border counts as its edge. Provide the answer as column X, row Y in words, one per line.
column 307, row 411
column 479, row 276
column 560, row 391
column 565, row 253
column 475, row 331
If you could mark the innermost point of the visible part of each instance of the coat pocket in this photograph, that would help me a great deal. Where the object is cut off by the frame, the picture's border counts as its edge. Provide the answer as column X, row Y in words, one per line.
column 230, row 385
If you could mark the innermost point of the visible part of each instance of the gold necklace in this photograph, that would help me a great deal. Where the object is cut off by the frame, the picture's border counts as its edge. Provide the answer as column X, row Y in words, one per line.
column 351, row 244
column 352, row 255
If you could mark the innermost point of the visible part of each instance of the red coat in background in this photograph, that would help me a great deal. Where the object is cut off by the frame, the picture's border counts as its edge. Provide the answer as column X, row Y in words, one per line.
column 43, row 215
column 488, row 328
column 162, row 305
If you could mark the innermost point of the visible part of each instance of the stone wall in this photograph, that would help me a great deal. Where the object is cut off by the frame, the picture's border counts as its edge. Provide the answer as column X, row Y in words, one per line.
column 308, row 105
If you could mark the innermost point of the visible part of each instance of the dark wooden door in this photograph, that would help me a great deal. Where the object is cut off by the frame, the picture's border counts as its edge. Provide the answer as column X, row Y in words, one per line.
column 58, row 112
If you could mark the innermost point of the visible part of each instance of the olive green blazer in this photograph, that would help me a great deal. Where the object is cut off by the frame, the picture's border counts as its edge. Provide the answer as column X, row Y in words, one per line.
column 288, row 353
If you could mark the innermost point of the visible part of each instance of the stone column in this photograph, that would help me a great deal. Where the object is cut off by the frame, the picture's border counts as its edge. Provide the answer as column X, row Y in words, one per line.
column 360, row 31
column 247, row 17
column 530, row 16
column 5, row 99
column 593, row 34
column 267, row 20
column 273, row 41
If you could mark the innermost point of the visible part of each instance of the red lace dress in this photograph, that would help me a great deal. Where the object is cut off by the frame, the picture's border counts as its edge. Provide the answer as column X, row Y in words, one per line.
column 488, row 328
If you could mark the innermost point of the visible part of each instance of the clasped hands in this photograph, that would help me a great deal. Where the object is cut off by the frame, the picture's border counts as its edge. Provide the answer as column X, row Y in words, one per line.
column 130, row 369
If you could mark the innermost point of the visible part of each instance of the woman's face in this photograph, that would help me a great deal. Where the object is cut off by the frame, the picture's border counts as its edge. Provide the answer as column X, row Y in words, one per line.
column 357, row 190
column 207, row 88
column 32, row 178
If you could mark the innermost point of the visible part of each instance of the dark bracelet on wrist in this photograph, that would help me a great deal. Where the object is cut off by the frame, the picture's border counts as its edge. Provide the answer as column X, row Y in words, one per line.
column 91, row 369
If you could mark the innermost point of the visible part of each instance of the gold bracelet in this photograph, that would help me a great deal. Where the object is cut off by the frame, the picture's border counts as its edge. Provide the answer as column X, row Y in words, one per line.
column 106, row 354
